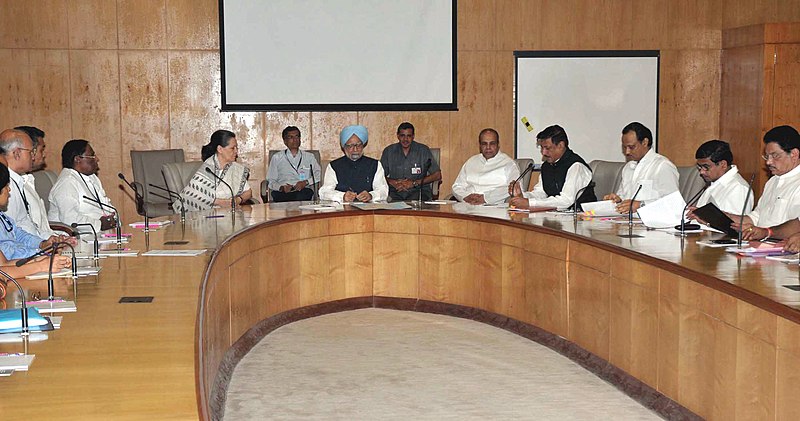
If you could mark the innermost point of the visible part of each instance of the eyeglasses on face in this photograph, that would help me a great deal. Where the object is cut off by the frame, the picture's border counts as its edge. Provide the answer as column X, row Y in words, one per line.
column 93, row 157
column 349, row 146
column 773, row 156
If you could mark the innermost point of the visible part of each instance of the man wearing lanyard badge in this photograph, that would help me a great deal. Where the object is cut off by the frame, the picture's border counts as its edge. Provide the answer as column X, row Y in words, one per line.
column 289, row 176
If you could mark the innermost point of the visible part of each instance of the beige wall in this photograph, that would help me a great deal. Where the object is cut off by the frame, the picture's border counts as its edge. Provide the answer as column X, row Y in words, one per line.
column 144, row 74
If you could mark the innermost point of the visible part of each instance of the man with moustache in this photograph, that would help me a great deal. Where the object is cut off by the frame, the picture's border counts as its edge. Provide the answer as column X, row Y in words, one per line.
column 404, row 163
column 564, row 175
column 655, row 173
column 354, row 177
column 290, row 171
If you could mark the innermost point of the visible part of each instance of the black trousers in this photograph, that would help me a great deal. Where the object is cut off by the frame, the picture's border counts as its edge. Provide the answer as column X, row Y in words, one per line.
column 295, row 196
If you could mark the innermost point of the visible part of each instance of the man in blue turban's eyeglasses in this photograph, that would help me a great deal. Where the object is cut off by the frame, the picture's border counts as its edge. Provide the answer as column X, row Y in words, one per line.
column 354, row 177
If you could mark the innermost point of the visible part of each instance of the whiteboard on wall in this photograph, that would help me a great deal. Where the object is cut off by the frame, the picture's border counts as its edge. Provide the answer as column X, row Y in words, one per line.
column 591, row 94
column 343, row 55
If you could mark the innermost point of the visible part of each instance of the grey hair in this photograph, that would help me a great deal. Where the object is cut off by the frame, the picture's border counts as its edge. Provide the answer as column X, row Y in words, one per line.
column 11, row 144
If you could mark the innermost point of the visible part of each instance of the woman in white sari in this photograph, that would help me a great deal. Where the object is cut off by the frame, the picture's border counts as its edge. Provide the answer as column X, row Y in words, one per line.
column 204, row 191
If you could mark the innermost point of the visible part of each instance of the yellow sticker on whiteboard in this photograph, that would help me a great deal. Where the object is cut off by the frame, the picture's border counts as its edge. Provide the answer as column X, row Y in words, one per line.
column 527, row 124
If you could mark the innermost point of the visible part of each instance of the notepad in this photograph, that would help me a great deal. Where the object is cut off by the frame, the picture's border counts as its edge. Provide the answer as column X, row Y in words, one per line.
column 174, row 252
column 55, row 306
column 119, row 253
column 66, row 273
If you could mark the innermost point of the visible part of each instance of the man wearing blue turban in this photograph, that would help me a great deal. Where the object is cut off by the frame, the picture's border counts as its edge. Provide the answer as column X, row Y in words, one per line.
column 354, row 177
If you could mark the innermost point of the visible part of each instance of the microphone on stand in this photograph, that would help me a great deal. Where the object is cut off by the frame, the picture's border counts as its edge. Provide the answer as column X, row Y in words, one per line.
column 683, row 226
column 630, row 233
column 578, row 195
column 24, row 308
column 140, row 209
column 744, row 208
column 25, row 260
column 233, row 198
column 172, row 195
column 425, row 169
column 52, row 248
column 116, row 217
column 528, row 169
column 96, row 251
column 315, row 198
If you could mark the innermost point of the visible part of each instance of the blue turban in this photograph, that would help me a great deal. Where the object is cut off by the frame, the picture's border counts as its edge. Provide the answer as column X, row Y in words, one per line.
column 357, row 130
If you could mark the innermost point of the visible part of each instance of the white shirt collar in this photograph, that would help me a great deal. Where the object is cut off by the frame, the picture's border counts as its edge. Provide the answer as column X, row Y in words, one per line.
column 795, row 171
column 731, row 173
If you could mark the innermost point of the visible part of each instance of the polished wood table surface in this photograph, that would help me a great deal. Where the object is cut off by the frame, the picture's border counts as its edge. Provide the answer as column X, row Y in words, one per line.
column 139, row 361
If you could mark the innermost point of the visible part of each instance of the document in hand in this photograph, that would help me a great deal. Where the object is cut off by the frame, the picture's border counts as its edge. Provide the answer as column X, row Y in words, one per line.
column 664, row 212
column 601, row 208
column 716, row 218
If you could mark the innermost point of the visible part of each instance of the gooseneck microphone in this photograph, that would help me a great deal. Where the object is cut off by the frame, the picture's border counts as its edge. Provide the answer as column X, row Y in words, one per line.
column 630, row 233
column 23, row 308
column 233, row 198
column 172, row 195
column 425, row 169
column 578, row 195
column 528, row 169
column 140, row 208
column 315, row 198
column 116, row 217
column 96, row 251
column 744, row 208
column 683, row 226
column 25, row 260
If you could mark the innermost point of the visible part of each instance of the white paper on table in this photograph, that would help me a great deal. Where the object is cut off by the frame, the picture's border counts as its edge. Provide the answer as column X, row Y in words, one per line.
column 601, row 208
column 663, row 213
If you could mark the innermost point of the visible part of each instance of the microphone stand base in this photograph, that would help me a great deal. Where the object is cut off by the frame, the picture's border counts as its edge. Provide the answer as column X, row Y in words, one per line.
column 630, row 236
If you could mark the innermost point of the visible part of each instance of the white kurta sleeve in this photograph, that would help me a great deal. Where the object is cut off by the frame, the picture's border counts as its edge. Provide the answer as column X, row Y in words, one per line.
column 328, row 190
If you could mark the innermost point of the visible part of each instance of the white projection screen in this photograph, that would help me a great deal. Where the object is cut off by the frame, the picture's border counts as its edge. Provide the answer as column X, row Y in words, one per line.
column 591, row 94
column 342, row 55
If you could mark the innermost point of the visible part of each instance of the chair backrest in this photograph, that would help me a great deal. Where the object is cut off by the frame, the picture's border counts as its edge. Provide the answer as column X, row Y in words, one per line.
column 689, row 181
column 147, row 170
column 523, row 163
column 178, row 174
column 606, row 176
column 437, row 153
column 43, row 181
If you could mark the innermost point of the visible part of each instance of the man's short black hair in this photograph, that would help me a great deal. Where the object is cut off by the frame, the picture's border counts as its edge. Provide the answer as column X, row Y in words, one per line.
column 34, row 133
column 288, row 130
column 555, row 133
column 71, row 149
column 5, row 176
column 716, row 151
column 405, row 126
column 642, row 132
column 785, row 136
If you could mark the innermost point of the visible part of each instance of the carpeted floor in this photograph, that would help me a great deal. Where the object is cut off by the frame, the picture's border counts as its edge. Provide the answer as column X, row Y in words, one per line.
column 387, row 364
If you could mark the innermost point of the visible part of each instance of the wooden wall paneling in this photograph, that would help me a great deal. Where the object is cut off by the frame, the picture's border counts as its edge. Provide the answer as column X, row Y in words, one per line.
column 192, row 24
column 35, row 24
column 144, row 98
column 586, row 24
column 737, row 13
column 294, row 291
column 10, row 84
column 451, row 270
column 588, row 303
column 351, row 224
column 788, row 11
column 92, row 24
column 694, row 24
column 633, row 318
column 787, row 370
column 589, row 256
column 488, row 275
column 518, row 24
column 650, row 25
column 504, row 99
column 48, row 93
column 507, row 294
column 545, row 293
column 757, row 322
column 142, row 24
column 396, row 265
column 286, row 233
column 217, row 329
column 325, row 129
column 743, row 81
column 475, row 23
column 246, row 295
column 95, row 98
column 689, row 105
column 449, row 228
column 396, row 224
column 787, row 86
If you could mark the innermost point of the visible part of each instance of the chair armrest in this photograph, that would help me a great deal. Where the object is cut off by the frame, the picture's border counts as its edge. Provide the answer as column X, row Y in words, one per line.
column 58, row 226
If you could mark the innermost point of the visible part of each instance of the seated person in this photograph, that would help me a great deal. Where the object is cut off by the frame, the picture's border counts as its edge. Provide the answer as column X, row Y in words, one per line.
column 205, row 191
column 290, row 172
column 354, row 177
column 77, row 182
column 564, row 175
column 16, row 243
column 657, row 175
column 726, row 189
column 25, row 206
column 404, row 162
column 485, row 177
column 780, row 201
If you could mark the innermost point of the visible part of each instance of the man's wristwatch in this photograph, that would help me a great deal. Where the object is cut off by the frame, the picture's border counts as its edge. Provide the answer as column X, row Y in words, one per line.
column 415, row 183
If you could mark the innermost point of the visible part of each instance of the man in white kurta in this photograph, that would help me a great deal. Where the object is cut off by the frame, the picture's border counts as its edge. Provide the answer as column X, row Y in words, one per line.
column 655, row 173
column 485, row 177
column 24, row 204
column 726, row 189
column 77, row 181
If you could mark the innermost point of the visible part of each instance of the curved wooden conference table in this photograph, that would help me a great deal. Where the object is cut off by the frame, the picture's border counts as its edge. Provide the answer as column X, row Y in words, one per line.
column 672, row 323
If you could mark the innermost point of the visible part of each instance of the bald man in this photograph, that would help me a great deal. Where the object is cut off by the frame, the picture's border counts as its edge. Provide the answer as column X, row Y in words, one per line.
column 24, row 205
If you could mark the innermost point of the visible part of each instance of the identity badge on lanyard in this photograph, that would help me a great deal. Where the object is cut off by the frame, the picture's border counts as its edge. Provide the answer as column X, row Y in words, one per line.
column 302, row 174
